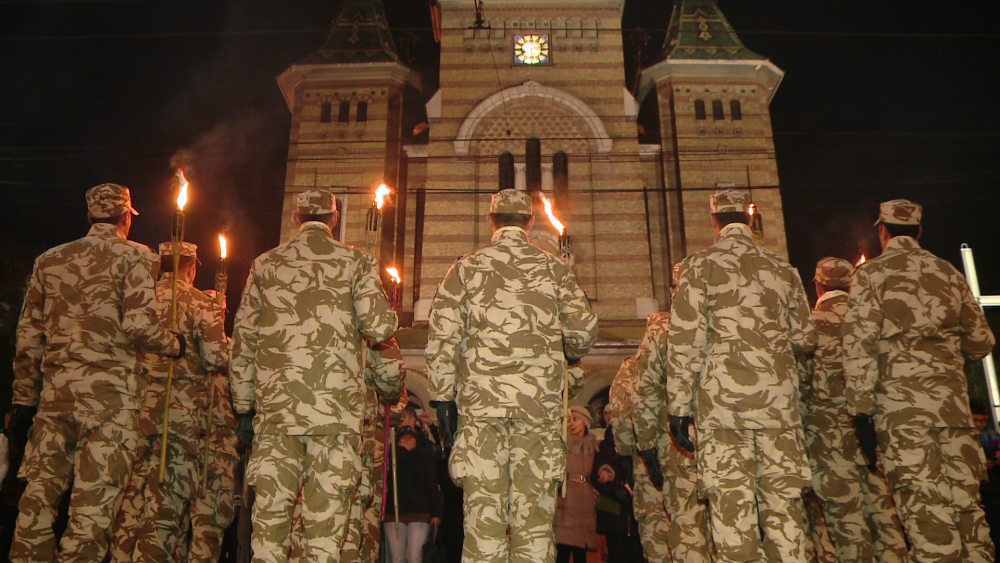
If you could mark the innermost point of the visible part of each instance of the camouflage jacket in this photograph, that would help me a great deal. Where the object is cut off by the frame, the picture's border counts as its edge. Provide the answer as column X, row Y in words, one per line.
column 649, row 404
column 911, row 325
column 222, row 425
column 502, row 323
column 299, row 335
column 739, row 320
column 89, row 309
column 200, row 320
column 824, row 402
column 620, row 402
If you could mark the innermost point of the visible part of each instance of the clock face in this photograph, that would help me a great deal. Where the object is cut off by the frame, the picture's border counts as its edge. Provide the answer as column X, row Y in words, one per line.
column 531, row 49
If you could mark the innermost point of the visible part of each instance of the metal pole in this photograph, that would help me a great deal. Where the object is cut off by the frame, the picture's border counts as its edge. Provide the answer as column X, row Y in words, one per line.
column 176, row 238
column 989, row 367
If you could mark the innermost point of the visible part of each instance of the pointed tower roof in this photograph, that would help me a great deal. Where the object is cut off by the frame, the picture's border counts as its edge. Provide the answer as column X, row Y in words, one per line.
column 359, row 35
column 698, row 30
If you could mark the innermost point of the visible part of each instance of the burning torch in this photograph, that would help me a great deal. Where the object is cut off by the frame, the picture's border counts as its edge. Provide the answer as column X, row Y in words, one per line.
column 373, row 223
column 221, row 281
column 394, row 291
column 176, row 238
column 756, row 224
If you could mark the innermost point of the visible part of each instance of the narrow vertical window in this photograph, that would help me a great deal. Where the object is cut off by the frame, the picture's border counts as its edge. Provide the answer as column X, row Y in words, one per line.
column 717, row 113
column 324, row 112
column 362, row 112
column 533, row 165
column 345, row 112
column 560, row 179
column 505, row 171
column 699, row 110
column 735, row 111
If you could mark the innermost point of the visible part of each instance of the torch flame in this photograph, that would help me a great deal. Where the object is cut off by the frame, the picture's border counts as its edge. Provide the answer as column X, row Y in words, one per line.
column 182, row 197
column 223, row 250
column 556, row 223
column 752, row 209
column 381, row 193
column 394, row 274
column 861, row 260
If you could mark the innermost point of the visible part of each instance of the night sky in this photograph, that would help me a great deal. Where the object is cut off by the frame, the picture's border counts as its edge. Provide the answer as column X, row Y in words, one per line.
column 880, row 100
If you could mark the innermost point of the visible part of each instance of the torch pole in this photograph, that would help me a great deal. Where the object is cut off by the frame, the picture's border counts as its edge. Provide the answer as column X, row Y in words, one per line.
column 176, row 238
column 565, row 421
column 221, row 281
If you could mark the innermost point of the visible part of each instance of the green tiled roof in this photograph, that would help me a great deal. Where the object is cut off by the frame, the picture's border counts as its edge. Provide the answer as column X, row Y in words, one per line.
column 358, row 35
column 698, row 30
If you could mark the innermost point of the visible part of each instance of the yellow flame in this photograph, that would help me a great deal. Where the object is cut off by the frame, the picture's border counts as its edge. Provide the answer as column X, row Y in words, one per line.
column 861, row 260
column 752, row 209
column 394, row 274
column 182, row 196
column 223, row 248
column 556, row 223
column 381, row 193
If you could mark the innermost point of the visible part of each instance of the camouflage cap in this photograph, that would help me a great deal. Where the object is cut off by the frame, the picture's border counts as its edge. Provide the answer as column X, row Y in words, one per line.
column 109, row 200
column 511, row 201
column 314, row 202
column 899, row 212
column 834, row 272
column 729, row 201
column 187, row 249
column 583, row 413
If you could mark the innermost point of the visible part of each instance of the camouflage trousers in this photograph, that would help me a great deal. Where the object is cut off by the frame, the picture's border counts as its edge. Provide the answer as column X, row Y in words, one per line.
column 213, row 512
column 92, row 452
column 364, row 531
column 650, row 514
column 687, row 536
column 934, row 474
column 819, row 546
column 754, row 479
column 327, row 471
column 129, row 517
column 510, row 471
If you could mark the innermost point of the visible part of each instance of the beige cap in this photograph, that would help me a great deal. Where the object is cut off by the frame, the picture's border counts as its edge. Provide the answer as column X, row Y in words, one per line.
column 315, row 202
column 899, row 212
column 109, row 200
column 511, row 201
column 729, row 201
column 834, row 272
column 583, row 413
column 187, row 249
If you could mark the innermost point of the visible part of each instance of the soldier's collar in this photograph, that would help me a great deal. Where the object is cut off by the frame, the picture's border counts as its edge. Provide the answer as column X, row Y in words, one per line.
column 734, row 229
column 309, row 225
column 167, row 276
column 105, row 230
column 902, row 242
column 830, row 295
column 516, row 232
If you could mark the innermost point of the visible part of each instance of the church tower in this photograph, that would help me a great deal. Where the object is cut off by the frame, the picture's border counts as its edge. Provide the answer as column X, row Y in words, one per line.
column 346, row 101
column 713, row 97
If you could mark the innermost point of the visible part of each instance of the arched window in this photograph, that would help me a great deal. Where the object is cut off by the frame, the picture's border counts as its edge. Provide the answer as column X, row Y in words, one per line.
column 324, row 112
column 362, row 112
column 699, row 110
column 717, row 114
column 345, row 112
column 735, row 111
column 533, row 164
column 560, row 179
column 505, row 170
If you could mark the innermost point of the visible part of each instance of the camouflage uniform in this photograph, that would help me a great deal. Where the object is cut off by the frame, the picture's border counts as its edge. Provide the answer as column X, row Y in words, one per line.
column 165, row 502
column 364, row 530
column 739, row 320
column 88, row 311
column 847, row 490
column 647, row 500
column 298, row 345
column 501, row 322
column 911, row 325
column 687, row 535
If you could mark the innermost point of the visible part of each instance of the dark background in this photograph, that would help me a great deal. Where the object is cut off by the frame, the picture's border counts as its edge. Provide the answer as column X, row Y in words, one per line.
column 880, row 100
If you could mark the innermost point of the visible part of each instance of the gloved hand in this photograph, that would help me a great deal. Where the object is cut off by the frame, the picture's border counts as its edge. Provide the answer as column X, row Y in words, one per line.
column 653, row 466
column 21, row 419
column 864, row 425
column 679, row 430
column 183, row 342
column 244, row 429
column 447, row 415
column 626, row 462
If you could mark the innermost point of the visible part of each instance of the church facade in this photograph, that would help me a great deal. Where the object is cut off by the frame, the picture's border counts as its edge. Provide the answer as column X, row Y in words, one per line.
column 532, row 95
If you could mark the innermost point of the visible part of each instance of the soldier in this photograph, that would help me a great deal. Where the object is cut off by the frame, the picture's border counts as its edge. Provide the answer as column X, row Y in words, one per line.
column 911, row 325
column 505, row 321
column 88, row 312
column 296, row 369
column 686, row 533
column 166, row 500
column 850, row 493
column 739, row 320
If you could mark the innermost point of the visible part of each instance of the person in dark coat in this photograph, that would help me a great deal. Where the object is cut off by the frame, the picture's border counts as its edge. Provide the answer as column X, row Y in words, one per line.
column 418, row 495
column 575, row 523
column 619, row 529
